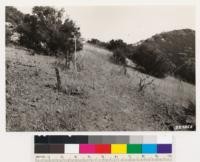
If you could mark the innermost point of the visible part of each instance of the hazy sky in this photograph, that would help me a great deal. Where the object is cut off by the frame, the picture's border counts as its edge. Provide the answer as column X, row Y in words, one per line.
column 130, row 23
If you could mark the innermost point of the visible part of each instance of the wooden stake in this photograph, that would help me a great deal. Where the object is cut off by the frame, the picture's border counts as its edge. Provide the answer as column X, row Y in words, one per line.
column 59, row 84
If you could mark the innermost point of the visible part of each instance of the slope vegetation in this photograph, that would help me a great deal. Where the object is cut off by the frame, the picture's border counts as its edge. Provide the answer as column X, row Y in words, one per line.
column 99, row 97
column 169, row 52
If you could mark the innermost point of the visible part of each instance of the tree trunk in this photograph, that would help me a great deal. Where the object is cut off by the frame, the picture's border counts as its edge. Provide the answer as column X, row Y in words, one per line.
column 59, row 84
column 67, row 60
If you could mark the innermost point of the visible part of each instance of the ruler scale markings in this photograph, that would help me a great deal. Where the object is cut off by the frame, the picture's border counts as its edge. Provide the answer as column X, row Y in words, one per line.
column 103, row 148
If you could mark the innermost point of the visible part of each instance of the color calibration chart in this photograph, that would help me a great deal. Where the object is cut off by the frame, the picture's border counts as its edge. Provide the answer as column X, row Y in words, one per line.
column 103, row 148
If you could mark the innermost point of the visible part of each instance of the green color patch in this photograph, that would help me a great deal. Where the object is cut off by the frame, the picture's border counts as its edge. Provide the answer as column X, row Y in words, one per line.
column 134, row 148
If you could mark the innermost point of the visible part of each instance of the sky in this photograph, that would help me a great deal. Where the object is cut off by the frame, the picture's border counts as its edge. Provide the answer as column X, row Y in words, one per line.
column 129, row 23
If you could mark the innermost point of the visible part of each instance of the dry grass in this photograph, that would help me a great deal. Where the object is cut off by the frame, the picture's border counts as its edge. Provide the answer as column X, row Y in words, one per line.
column 108, row 99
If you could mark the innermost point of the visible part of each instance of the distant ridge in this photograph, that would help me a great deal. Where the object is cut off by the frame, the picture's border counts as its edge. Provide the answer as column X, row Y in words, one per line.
column 176, row 47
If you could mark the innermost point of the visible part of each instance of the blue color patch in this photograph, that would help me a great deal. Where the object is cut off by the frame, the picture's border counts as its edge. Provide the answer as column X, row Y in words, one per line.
column 149, row 148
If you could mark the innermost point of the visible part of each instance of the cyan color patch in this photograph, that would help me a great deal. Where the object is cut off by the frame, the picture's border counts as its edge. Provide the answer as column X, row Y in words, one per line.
column 149, row 148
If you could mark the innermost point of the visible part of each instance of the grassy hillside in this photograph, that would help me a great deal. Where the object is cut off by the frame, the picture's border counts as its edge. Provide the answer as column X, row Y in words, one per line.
column 98, row 98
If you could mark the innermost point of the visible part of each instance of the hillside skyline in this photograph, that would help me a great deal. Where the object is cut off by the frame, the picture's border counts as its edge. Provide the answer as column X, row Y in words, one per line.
column 131, row 24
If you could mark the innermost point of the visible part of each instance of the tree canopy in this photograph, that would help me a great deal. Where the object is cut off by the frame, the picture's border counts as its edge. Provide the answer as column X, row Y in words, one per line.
column 13, row 15
column 46, row 30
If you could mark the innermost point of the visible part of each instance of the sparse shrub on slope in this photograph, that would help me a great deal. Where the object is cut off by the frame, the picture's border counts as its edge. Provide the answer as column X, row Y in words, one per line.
column 119, row 56
column 121, row 50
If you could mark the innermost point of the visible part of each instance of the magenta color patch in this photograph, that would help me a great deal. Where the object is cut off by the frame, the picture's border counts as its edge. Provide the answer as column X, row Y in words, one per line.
column 87, row 148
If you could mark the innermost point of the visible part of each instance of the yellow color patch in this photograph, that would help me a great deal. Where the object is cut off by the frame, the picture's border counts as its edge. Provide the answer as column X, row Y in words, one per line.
column 118, row 149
